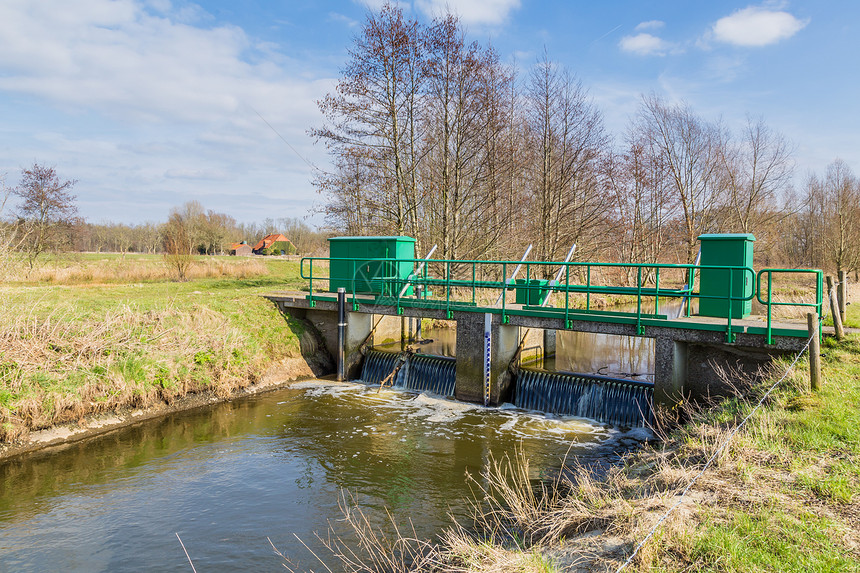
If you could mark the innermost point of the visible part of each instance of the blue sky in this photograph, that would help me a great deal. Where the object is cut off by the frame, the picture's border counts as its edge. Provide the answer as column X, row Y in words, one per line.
column 151, row 103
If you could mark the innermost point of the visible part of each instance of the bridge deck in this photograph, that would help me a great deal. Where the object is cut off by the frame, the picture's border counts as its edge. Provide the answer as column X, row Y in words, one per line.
column 752, row 331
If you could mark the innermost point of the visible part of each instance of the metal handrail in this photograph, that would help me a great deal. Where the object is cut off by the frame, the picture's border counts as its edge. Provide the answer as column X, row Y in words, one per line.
column 769, row 303
column 564, row 285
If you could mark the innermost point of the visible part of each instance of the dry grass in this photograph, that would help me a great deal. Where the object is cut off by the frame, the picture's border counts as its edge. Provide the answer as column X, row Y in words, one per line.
column 131, row 269
column 372, row 549
column 583, row 521
column 61, row 367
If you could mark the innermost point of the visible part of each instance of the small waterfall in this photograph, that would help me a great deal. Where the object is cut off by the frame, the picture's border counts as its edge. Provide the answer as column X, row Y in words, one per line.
column 608, row 400
column 421, row 373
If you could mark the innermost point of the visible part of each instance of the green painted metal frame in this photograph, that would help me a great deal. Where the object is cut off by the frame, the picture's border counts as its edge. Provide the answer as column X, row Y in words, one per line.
column 769, row 303
column 639, row 318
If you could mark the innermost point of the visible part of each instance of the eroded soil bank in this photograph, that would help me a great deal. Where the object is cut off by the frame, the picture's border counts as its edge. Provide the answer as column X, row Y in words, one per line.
column 277, row 376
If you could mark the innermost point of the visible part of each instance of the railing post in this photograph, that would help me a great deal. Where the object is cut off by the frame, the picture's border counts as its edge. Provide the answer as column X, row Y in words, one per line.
column 448, row 313
column 769, row 307
column 814, row 351
column 587, row 288
column 841, row 293
column 567, row 296
column 639, row 328
column 311, row 302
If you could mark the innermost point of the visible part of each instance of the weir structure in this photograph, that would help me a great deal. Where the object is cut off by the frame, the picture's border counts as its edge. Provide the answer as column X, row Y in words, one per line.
column 388, row 292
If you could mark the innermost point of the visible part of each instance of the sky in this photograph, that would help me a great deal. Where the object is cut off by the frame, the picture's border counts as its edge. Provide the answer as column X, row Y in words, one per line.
column 152, row 103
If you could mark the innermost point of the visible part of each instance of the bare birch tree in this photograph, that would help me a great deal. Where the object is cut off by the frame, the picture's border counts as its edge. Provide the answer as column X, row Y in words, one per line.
column 566, row 132
column 689, row 149
column 757, row 169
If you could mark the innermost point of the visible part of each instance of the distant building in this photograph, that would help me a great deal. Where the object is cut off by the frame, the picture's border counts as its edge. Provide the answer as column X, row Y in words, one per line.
column 242, row 249
column 275, row 244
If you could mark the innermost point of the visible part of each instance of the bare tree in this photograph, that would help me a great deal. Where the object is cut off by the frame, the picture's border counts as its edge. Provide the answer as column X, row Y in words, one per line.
column 456, row 197
column 756, row 170
column 566, row 132
column 643, row 203
column 46, row 213
column 835, row 203
column 375, row 111
column 689, row 151
column 177, row 245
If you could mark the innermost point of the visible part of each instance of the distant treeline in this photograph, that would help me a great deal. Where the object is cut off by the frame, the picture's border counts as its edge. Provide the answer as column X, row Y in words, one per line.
column 208, row 233
column 435, row 137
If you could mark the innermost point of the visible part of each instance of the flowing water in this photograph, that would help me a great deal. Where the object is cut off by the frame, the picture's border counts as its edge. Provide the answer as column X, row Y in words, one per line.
column 227, row 477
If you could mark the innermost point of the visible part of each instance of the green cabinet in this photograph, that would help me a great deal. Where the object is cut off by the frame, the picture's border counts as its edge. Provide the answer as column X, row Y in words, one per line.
column 356, row 266
column 726, row 250
column 531, row 292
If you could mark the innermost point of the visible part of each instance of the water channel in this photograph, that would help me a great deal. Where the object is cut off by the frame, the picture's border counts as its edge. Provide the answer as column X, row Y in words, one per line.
column 227, row 477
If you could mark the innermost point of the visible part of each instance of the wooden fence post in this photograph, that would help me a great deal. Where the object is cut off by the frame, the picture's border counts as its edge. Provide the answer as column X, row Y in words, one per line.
column 842, row 293
column 834, row 309
column 814, row 351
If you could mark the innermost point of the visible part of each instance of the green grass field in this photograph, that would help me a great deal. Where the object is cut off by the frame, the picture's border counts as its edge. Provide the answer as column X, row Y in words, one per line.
column 96, row 332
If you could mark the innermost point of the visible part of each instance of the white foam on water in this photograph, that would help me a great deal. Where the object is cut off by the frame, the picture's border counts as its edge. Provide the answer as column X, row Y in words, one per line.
column 439, row 410
column 440, row 415
column 533, row 424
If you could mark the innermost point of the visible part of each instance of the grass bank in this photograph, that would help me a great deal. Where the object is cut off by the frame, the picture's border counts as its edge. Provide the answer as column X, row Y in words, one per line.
column 97, row 333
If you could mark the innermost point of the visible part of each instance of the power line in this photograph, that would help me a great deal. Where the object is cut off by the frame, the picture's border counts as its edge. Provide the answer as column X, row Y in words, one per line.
column 299, row 155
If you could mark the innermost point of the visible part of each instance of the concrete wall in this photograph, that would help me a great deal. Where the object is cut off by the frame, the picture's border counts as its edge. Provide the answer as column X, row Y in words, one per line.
column 504, row 340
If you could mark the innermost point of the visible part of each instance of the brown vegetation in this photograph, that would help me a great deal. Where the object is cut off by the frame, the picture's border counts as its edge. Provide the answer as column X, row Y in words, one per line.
column 144, row 270
column 125, row 358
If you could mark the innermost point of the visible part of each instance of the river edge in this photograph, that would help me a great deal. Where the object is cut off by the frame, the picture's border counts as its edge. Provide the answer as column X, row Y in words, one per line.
column 275, row 377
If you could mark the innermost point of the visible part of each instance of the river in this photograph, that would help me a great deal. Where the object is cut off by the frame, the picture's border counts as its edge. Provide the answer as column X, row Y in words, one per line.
column 226, row 477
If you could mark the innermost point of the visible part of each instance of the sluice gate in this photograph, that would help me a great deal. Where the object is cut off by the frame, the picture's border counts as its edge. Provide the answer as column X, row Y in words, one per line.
column 615, row 401
column 421, row 372
column 370, row 289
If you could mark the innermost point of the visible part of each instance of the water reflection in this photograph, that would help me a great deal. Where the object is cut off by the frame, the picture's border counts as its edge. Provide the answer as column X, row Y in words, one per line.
column 228, row 476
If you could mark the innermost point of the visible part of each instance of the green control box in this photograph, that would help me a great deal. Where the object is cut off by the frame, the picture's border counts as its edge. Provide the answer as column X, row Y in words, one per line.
column 532, row 292
column 726, row 249
column 356, row 268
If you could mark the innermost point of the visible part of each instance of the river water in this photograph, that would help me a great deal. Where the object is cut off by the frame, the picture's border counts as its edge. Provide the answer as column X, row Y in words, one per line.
column 226, row 477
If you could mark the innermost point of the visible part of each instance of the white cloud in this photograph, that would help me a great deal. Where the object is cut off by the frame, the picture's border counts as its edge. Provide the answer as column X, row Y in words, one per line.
column 153, row 104
column 119, row 59
column 756, row 26
column 646, row 45
column 650, row 25
column 478, row 12
column 205, row 174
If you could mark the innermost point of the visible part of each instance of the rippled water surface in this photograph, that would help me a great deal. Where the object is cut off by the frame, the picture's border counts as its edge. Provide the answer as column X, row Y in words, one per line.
column 227, row 477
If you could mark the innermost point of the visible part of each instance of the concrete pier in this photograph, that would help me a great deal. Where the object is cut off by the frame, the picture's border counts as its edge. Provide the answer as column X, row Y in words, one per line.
column 690, row 358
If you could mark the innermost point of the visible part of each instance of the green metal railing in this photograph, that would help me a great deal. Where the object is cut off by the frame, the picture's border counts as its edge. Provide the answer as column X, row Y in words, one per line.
column 770, row 303
column 457, row 282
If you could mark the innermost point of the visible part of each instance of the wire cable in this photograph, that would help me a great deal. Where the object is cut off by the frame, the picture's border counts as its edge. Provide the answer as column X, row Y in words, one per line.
column 719, row 450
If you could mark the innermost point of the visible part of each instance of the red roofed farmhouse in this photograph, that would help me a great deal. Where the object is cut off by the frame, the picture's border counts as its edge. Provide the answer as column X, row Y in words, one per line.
column 275, row 244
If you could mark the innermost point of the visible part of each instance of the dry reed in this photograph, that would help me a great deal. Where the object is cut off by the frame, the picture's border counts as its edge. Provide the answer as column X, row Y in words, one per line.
column 132, row 270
